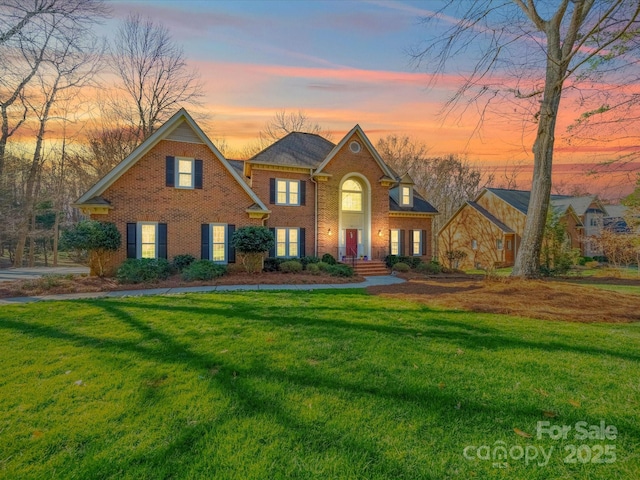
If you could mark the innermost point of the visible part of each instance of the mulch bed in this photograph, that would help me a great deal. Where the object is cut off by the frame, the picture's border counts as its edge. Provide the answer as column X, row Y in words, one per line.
column 83, row 284
column 541, row 299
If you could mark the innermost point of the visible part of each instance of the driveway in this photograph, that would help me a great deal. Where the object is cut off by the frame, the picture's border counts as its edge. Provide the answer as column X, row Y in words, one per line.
column 13, row 274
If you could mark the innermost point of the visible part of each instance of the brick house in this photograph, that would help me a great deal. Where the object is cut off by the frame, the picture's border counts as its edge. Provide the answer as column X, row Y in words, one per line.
column 489, row 229
column 176, row 194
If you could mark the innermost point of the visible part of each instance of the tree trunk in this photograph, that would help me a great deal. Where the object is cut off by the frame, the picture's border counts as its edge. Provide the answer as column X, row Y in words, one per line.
column 528, row 260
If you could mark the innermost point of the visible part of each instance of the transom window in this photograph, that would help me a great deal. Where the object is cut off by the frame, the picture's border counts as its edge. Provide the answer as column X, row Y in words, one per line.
column 184, row 168
column 287, row 241
column 395, row 242
column 287, row 192
column 219, row 242
column 148, row 234
column 405, row 195
column 351, row 196
column 417, row 242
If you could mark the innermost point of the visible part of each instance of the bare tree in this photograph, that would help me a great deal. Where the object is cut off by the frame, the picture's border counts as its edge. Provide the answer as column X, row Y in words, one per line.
column 71, row 65
column 445, row 181
column 528, row 50
column 153, row 73
column 280, row 125
column 28, row 29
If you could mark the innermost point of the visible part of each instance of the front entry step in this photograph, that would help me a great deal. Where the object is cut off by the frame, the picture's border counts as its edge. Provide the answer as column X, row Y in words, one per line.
column 369, row 268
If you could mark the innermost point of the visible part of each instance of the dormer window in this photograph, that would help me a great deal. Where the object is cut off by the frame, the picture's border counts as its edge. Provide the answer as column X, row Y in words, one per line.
column 406, row 196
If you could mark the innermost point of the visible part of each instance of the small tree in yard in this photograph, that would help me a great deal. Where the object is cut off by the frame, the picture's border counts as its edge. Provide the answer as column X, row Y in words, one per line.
column 252, row 243
column 98, row 239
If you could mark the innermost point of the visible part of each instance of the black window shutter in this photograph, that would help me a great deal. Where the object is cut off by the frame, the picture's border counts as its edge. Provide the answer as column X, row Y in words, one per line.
column 303, row 192
column 302, row 241
column 411, row 252
column 162, row 240
column 424, row 242
column 401, row 249
column 131, row 240
column 272, row 251
column 231, row 251
column 205, row 232
column 171, row 172
column 272, row 190
column 197, row 179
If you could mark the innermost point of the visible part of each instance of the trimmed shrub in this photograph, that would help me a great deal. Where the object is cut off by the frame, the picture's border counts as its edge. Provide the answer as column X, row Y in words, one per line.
column 323, row 266
column 340, row 270
column 431, row 268
column 272, row 264
column 313, row 269
column 584, row 260
column 180, row 262
column 139, row 270
column 253, row 243
column 203, row 270
column 328, row 258
column 291, row 266
column 401, row 267
column 413, row 262
column 308, row 260
column 98, row 239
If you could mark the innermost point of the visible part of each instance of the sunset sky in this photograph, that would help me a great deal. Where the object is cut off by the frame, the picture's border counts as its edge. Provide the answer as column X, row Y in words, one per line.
column 342, row 63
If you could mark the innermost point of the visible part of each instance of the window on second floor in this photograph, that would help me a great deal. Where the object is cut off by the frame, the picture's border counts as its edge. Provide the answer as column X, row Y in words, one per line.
column 287, row 192
column 351, row 196
column 184, row 173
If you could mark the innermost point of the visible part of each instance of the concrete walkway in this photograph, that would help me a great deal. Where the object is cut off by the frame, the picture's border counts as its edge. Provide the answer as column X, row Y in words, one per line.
column 31, row 273
column 368, row 282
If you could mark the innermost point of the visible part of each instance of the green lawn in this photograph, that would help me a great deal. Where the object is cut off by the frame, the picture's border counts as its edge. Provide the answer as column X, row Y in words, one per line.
column 305, row 385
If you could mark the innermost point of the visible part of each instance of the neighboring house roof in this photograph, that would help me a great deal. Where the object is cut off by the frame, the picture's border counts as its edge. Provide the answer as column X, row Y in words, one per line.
column 616, row 224
column 297, row 149
column 485, row 213
column 519, row 199
column 580, row 204
column 420, row 205
column 177, row 120
column 376, row 156
column 616, row 211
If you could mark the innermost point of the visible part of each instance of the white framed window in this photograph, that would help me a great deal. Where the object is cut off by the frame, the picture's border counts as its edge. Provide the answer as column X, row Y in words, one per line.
column 287, row 242
column 474, row 244
column 287, row 192
column 405, row 196
column 147, row 240
column 185, row 173
column 508, row 244
column 395, row 242
column 351, row 196
column 219, row 242
column 499, row 244
column 416, row 242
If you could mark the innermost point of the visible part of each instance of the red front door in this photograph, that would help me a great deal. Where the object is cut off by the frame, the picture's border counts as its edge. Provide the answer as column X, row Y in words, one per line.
column 352, row 242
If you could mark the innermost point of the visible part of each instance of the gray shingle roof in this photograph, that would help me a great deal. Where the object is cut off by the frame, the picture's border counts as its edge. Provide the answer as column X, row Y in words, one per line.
column 519, row 199
column 297, row 149
column 238, row 166
column 485, row 213
column 579, row 204
column 420, row 205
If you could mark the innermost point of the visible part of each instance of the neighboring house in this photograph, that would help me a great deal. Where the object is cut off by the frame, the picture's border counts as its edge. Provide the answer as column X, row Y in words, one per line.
column 176, row 194
column 616, row 219
column 591, row 214
column 489, row 229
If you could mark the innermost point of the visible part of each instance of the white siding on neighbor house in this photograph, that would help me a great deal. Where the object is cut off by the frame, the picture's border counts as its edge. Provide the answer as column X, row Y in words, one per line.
column 184, row 133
